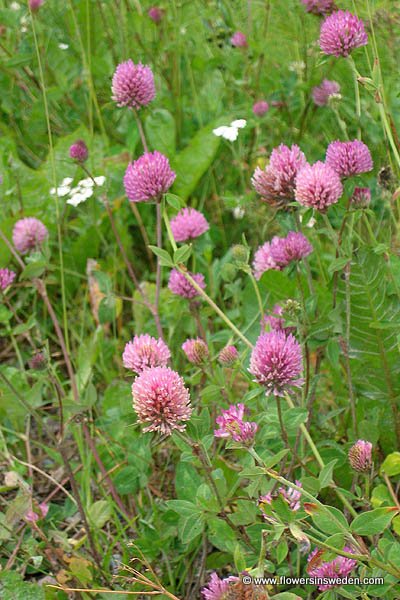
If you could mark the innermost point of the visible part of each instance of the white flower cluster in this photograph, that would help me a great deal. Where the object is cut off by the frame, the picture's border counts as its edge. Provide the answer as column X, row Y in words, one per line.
column 230, row 132
column 81, row 192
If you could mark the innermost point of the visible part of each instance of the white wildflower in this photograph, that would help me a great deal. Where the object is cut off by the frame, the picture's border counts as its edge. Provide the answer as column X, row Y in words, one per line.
column 230, row 132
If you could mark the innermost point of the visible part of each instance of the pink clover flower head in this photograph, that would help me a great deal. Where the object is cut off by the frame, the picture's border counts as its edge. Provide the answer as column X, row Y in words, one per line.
column 231, row 425
column 6, row 278
column 319, row 7
column 323, row 92
column 161, row 400
column 144, row 352
column 263, row 261
column 291, row 496
column 179, row 285
column 29, row 234
column 188, row 224
column 196, row 350
column 337, row 568
column 276, row 182
column 148, row 177
column 228, row 355
column 217, row 589
column 239, row 40
column 33, row 516
column 361, row 197
column 360, row 456
column 349, row 158
column 34, row 5
column 133, row 85
column 260, row 108
column 79, row 151
column 293, row 247
column 156, row 14
column 276, row 362
column 318, row 186
column 341, row 33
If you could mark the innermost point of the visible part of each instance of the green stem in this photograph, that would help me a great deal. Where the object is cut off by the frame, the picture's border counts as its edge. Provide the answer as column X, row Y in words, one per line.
column 357, row 95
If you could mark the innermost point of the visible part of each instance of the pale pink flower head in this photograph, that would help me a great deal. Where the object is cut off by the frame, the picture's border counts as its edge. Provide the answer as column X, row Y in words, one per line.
column 291, row 496
column 196, row 350
column 133, row 85
column 260, row 108
column 29, row 234
column 293, row 247
column 148, row 177
column 361, row 197
column 276, row 182
column 79, row 151
column 232, row 425
column 6, row 278
column 179, row 285
column 156, row 14
column 276, row 362
column 34, row 5
column 338, row 568
column 323, row 92
column 318, row 186
column 263, row 261
column 341, row 33
column 319, row 7
column 275, row 321
column 161, row 400
column 228, row 355
column 188, row 224
column 32, row 516
column 145, row 351
column 239, row 40
column 349, row 158
column 360, row 456
column 217, row 589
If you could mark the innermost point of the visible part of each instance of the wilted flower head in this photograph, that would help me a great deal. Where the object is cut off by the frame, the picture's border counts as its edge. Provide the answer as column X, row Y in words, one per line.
column 133, row 85
column 337, row 568
column 263, row 260
column 341, row 33
column 161, row 400
column 145, row 351
column 179, row 285
column 276, row 361
column 228, row 355
column 276, row 182
column 349, row 158
column 318, row 186
column 293, row 247
column 79, row 151
column 319, row 7
column 148, row 177
column 260, row 108
column 188, row 224
column 38, row 361
column 323, row 92
column 155, row 14
column 232, row 425
column 239, row 40
column 28, row 234
column 361, row 197
column 196, row 350
column 217, row 588
column 360, row 456
column 6, row 278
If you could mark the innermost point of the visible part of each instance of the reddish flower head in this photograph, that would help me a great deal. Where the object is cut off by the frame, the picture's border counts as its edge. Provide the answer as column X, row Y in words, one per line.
column 133, row 85
column 179, row 285
column 323, row 92
column 34, row 5
column 28, row 234
column 349, row 158
column 337, row 568
column 148, row 177
column 293, row 247
column 341, row 33
column 156, row 14
column 228, row 355
column 319, row 7
column 232, row 425
column 188, row 224
column 260, row 108
column 360, row 456
column 318, row 186
column 276, row 361
column 6, row 278
column 217, row 589
column 161, row 400
column 276, row 182
column 79, row 151
column 263, row 261
column 239, row 40
column 196, row 350
column 361, row 197
column 144, row 352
